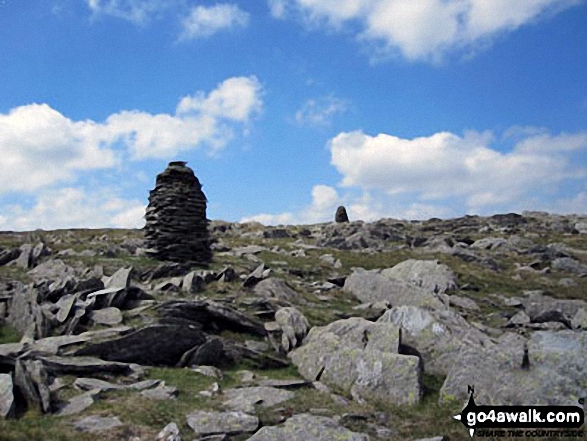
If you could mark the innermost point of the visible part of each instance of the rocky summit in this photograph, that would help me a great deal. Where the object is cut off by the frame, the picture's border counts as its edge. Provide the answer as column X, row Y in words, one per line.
column 342, row 330
column 176, row 225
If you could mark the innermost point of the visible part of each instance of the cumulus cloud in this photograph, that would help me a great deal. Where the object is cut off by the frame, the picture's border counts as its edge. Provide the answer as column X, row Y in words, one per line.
column 205, row 21
column 74, row 208
column 446, row 175
column 41, row 147
column 446, row 165
column 321, row 111
column 425, row 29
column 137, row 11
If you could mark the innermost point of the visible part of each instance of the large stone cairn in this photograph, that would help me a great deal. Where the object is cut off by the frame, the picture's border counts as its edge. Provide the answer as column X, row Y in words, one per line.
column 177, row 227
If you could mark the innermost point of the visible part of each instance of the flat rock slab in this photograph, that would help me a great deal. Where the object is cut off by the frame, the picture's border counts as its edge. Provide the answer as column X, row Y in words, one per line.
column 307, row 428
column 244, row 399
column 153, row 345
column 286, row 384
column 6, row 395
column 161, row 392
column 81, row 366
column 276, row 288
column 78, row 403
column 108, row 316
column 94, row 423
column 215, row 423
column 427, row 274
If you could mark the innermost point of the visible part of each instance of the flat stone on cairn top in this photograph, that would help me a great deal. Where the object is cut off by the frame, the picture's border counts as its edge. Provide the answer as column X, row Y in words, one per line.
column 177, row 227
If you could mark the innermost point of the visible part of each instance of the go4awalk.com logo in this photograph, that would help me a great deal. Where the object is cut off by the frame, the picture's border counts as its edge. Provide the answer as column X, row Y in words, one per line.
column 523, row 421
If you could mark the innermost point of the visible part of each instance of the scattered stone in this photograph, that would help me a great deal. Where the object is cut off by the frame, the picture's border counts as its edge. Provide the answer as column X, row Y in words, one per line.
column 294, row 327
column 463, row 302
column 208, row 371
column 6, row 395
column 95, row 423
column 108, row 316
column 177, row 227
column 256, row 276
column 308, row 428
column 519, row 319
column 579, row 321
column 427, row 274
column 31, row 379
column 214, row 423
column 245, row 399
column 169, row 433
column 161, row 392
column 78, row 403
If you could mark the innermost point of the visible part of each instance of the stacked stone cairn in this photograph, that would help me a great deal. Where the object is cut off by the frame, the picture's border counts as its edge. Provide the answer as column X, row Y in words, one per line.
column 177, row 227
column 341, row 215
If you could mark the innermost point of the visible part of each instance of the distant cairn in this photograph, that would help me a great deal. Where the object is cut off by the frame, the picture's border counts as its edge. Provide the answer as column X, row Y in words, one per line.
column 177, row 227
column 341, row 215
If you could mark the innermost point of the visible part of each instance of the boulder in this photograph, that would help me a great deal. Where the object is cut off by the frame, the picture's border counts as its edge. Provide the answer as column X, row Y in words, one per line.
column 94, row 424
column 427, row 274
column 244, row 399
column 568, row 264
column 256, row 276
column 152, row 345
column 308, row 428
column 579, row 321
column 360, row 357
column 31, row 379
column 341, row 215
column 294, row 327
column 549, row 368
column 437, row 335
column 6, row 395
column 108, row 316
column 214, row 423
column 371, row 286
column 120, row 279
column 169, row 433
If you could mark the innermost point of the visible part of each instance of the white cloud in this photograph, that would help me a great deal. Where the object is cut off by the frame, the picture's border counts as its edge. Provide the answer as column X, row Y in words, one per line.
column 75, row 208
column 446, row 175
column 445, row 165
column 278, row 8
column 426, row 29
column 205, row 21
column 321, row 111
column 41, row 147
column 137, row 11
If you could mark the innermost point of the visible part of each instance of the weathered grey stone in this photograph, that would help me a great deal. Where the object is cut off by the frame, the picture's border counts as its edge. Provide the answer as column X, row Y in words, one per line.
column 570, row 265
column 95, row 423
column 107, row 297
column 26, row 315
column 192, row 283
column 370, row 286
column 285, row 384
column 212, row 423
column 276, row 288
column 536, row 303
column 161, row 392
column 30, row 377
column 52, row 269
column 463, row 302
column 552, row 372
column 82, row 366
column 208, row 371
column 520, row 319
column 427, row 274
column 308, row 428
column 78, row 404
column 579, row 321
column 437, row 335
column 7, row 256
column 152, row 345
column 256, row 276
column 88, row 384
column 244, row 399
column 6, row 395
column 120, row 279
column 169, row 433
column 110, row 316
column 65, row 304
column 489, row 243
column 294, row 326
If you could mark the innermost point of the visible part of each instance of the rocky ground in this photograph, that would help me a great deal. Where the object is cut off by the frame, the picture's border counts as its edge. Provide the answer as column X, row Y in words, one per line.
column 349, row 331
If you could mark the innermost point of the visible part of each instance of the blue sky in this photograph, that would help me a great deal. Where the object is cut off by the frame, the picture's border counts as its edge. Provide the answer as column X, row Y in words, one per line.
column 286, row 109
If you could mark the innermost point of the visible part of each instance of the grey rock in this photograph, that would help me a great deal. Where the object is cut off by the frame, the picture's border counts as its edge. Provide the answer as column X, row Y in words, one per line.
column 53, row 269
column 107, row 297
column 95, row 423
column 427, row 274
column 570, row 265
column 110, row 316
column 84, row 366
column 294, row 326
column 370, row 286
column 285, row 384
column 213, row 423
column 244, row 399
column 579, row 321
column 152, row 345
column 536, row 304
column 308, row 428
column 276, row 288
column 120, row 279
column 7, row 256
column 78, row 403
column 208, row 371
column 463, row 302
column 436, row 438
column 437, row 335
column 24, row 259
column 6, row 395
column 256, row 276
column 169, row 433
column 88, row 384
column 554, row 372
column 489, row 243
column 30, row 376
column 192, row 283
column 581, row 227
column 519, row 319
column 65, row 304
column 161, row 392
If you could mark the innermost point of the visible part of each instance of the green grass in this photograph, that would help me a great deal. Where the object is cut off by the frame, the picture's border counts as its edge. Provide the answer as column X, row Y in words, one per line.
column 8, row 334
